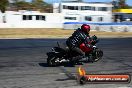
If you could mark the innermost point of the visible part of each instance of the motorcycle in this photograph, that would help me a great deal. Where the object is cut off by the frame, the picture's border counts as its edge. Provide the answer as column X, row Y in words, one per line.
column 60, row 55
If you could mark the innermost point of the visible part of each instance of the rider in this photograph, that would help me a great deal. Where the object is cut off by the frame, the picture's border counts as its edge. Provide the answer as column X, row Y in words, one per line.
column 81, row 35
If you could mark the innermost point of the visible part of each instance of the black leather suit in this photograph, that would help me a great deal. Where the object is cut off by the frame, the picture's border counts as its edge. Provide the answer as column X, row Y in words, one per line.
column 77, row 38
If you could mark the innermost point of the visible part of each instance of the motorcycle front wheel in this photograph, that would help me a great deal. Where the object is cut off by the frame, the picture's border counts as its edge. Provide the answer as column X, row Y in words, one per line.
column 98, row 55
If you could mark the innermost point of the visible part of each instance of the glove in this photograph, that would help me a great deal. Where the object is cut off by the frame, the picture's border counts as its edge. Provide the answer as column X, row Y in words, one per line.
column 89, row 45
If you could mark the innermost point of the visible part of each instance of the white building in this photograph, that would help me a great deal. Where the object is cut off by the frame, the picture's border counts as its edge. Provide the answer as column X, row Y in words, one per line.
column 31, row 19
column 63, row 12
column 85, row 12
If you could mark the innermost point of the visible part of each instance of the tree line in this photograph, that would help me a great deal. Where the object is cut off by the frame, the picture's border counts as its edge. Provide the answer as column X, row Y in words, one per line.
column 38, row 5
column 120, row 4
column 42, row 6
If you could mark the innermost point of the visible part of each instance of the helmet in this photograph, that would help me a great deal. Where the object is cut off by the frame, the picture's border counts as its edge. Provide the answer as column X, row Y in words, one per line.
column 85, row 28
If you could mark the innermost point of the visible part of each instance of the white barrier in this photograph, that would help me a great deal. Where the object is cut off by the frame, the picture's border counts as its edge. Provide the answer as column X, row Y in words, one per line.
column 107, row 28
column 115, row 28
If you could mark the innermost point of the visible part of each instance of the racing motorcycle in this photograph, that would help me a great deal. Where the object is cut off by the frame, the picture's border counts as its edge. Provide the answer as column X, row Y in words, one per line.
column 61, row 54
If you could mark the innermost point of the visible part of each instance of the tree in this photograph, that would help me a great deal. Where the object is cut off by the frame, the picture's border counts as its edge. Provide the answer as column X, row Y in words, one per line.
column 37, row 5
column 122, row 4
column 22, row 5
column 3, row 5
column 115, row 4
column 41, row 5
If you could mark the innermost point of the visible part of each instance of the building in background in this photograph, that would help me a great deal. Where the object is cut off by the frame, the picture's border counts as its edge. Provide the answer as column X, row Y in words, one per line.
column 122, row 15
column 66, row 11
column 84, row 12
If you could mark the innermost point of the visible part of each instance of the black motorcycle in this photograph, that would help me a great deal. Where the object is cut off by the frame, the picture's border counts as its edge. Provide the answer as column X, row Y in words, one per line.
column 62, row 54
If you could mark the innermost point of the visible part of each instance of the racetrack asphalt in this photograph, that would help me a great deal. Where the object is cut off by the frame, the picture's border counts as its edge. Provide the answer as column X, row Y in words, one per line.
column 23, row 64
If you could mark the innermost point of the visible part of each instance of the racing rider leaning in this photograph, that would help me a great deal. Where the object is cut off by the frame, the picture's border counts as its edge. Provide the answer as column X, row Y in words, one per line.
column 81, row 35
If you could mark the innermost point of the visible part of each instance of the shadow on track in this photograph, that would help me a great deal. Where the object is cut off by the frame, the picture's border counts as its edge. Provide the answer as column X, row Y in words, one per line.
column 69, row 75
column 64, row 64
column 43, row 64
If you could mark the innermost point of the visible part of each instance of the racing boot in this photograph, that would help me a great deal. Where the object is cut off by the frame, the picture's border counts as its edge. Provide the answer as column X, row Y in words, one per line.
column 90, row 58
column 76, row 59
column 85, row 59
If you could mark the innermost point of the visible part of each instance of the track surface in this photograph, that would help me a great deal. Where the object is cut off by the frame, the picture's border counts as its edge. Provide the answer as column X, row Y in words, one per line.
column 23, row 64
